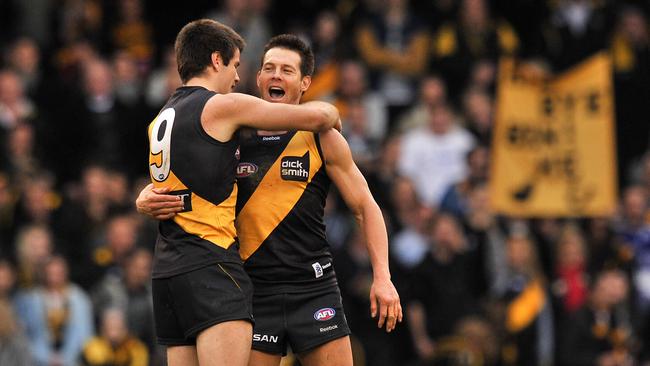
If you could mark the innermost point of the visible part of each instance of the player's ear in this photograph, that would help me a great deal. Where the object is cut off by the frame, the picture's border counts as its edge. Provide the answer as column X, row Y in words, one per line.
column 259, row 72
column 305, row 83
column 215, row 58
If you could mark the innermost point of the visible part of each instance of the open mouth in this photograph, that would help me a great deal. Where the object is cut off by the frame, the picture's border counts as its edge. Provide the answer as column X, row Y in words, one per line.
column 276, row 92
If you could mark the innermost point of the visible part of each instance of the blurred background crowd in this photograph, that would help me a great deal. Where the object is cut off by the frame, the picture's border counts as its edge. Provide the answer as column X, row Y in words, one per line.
column 80, row 80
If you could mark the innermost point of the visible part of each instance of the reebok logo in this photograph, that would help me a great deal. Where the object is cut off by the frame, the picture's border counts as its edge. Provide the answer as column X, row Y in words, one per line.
column 295, row 168
column 327, row 329
column 270, row 138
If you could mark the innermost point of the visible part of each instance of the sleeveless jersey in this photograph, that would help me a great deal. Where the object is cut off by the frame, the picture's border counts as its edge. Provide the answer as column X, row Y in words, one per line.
column 280, row 206
column 200, row 169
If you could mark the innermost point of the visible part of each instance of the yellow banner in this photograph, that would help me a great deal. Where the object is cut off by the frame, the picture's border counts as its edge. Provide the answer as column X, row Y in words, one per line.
column 553, row 145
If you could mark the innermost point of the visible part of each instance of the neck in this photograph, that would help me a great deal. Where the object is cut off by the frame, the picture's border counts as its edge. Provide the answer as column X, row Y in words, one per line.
column 396, row 14
column 599, row 304
column 443, row 255
column 57, row 288
column 202, row 82
column 270, row 133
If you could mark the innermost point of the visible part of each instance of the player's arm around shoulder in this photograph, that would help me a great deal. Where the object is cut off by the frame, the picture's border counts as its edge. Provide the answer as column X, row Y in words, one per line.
column 340, row 167
column 225, row 113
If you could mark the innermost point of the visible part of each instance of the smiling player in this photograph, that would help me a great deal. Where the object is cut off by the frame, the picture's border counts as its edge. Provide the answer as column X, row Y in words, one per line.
column 283, row 181
column 201, row 294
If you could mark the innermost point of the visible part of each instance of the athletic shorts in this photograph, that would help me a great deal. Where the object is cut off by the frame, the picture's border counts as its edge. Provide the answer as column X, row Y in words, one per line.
column 300, row 320
column 188, row 303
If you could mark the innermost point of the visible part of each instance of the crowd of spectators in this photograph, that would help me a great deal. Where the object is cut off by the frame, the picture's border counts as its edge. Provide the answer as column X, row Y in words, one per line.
column 414, row 81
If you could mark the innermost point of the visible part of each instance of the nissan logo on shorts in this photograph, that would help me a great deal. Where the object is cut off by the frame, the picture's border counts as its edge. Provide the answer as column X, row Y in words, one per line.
column 324, row 314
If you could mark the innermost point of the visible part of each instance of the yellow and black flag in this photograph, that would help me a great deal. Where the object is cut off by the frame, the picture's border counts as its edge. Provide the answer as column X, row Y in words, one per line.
column 553, row 147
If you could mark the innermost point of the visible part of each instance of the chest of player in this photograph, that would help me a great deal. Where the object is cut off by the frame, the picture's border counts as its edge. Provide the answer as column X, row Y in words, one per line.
column 287, row 162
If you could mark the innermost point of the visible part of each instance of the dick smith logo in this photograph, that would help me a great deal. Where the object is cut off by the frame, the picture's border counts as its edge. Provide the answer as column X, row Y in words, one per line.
column 295, row 168
column 245, row 169
column 324, row 314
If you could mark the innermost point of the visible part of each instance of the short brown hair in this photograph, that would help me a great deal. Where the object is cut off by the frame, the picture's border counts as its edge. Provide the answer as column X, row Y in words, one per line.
column 293, row 43
column 197, row 41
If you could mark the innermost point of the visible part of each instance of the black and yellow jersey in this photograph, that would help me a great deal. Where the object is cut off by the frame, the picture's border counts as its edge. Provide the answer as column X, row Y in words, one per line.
column 200, row 169
column 282, row 190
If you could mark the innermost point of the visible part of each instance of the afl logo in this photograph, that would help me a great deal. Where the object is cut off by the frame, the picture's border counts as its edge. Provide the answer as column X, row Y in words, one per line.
column 245, row 169
column 324, row 314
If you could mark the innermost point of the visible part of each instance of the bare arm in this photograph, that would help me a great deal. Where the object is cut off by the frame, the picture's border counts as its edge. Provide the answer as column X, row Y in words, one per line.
column 225, row 113
column 384, row 299
column 154, row 202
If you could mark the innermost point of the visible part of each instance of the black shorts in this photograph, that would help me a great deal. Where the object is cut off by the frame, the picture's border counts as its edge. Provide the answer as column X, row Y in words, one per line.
column 300, row 320
column 188, row 303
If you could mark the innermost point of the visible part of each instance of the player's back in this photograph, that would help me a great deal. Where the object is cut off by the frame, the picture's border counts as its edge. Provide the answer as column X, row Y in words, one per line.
column 201, row 170
column 282, row 190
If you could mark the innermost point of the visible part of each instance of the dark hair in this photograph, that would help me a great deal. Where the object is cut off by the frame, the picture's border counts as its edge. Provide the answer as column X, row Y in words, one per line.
column 293, row 43
column 197, row 41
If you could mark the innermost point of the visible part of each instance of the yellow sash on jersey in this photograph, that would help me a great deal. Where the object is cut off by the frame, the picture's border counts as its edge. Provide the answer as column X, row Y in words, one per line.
column 274, row 197
column 212, row 222
column 524, row 309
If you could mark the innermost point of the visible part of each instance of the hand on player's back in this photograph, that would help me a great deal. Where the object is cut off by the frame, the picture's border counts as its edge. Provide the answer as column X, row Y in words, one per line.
column 155, row 202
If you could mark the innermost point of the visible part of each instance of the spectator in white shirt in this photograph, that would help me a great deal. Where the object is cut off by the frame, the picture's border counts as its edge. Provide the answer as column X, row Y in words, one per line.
column 433, row 156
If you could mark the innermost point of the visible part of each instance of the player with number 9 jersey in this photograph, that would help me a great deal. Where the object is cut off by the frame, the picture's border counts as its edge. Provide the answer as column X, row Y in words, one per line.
column 201, row 294
column 201, row 170
column 197, row 267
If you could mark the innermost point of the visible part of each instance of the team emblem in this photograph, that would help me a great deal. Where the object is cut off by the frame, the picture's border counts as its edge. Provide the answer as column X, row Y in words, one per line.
column 245, row 169
column 324, row 314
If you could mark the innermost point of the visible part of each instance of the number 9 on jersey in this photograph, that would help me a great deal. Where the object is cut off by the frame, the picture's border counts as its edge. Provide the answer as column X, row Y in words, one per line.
column 160, row 145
